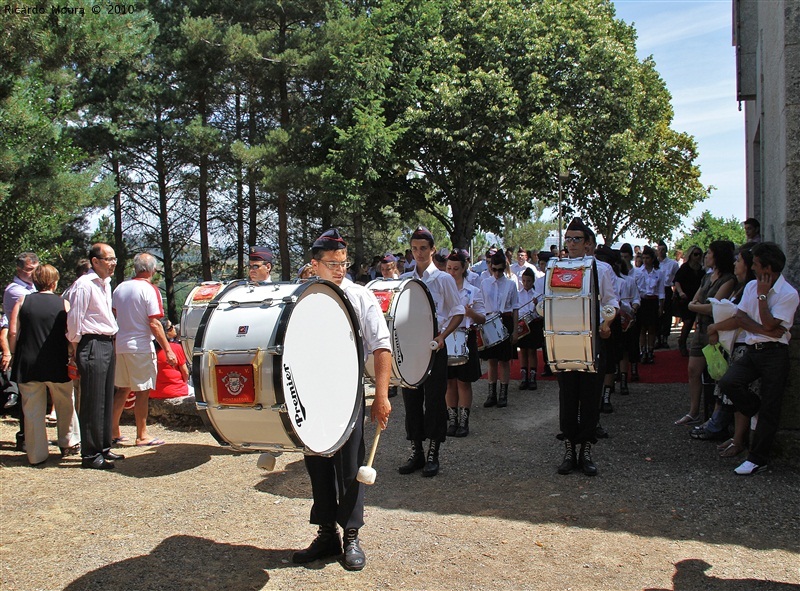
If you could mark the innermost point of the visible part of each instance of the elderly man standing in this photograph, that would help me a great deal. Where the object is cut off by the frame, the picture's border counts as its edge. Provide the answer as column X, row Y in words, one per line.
column 260, row 265
column 138, row 307
column 91, row 327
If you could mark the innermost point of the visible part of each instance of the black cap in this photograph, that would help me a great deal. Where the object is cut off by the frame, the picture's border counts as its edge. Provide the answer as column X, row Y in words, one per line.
column 388, row 259
column 260, row 253
column 330, row 240
column 422, row 233
column 577, row 225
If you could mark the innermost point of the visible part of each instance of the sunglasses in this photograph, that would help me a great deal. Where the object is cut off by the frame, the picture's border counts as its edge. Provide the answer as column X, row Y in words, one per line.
column 569, row 239
column 496, row 269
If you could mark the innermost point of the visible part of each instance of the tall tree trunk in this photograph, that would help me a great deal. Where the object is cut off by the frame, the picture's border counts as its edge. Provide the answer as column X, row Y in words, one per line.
column 166, row 246
column 463, row 225
column 239, row 194
column 119, row 243
column 283, row 197
column 252, row 230
column 202, row 190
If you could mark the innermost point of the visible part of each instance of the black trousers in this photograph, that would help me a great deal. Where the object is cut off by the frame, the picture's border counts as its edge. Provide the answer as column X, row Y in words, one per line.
column 579, row 394
column 426, row 409
column 338, row 496
column 96, row 362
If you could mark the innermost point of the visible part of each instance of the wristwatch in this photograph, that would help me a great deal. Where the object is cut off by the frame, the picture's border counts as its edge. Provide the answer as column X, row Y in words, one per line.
column 763, row 297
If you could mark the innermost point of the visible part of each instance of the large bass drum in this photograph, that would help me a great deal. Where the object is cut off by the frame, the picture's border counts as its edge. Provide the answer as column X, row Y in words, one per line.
column 192, row 313
column 411, row 315
column 570, row 314
column 278, row 367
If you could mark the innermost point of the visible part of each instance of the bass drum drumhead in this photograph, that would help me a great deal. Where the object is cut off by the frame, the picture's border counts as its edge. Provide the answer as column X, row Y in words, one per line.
column 301, row 344
column 411, row 317
column 192, row 313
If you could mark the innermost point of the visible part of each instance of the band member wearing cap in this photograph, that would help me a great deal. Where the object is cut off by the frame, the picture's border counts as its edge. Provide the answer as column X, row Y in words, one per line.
column 534, row 339
column 578, row 391
column 500, row 296
column 426, row 409
column 338, row 496
column 461, row 377
column 260, row 264
column 388, row 267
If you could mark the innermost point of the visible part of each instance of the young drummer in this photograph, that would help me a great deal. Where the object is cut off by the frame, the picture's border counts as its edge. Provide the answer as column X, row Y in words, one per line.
column 528, row 344
column 426, row 409
column 500, row 296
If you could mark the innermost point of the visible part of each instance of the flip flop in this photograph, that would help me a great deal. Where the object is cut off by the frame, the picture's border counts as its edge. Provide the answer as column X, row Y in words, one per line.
column 118, row 440
column 151, row 443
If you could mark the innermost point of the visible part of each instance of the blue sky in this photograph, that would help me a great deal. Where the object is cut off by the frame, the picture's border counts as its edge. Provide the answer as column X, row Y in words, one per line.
column 691, row 43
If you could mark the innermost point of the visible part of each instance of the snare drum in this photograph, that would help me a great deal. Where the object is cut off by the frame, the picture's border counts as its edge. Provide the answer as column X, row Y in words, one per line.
column 492, row 332
column 524, row 325
column 277, row 367
column 411, row 315
column 570, row 314
column 457, row 349
column 192, row 312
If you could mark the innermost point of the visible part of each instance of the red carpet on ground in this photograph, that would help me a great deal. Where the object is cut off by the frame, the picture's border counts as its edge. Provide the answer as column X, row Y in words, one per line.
column 670, row 368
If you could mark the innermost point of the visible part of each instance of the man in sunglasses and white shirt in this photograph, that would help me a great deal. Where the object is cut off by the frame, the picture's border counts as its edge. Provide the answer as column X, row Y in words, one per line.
column 260, row 264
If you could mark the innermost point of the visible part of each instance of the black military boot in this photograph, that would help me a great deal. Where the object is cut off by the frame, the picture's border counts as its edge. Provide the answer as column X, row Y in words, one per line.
column 623, row 385
column 587, row 465
column 452, row 421
column 502, row 400
column 327, row 543
column 415, row 461
column 634, row 372
column 463, row 422
column 354, row 557
column 432, row 465
column 523, row 384
column 570, row 461
column 492, row 399
column 605, row 406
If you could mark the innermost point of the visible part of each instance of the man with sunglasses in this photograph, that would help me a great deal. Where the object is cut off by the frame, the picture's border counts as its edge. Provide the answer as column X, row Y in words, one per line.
column 338, row 495
column 579, row 392
column 260, row 264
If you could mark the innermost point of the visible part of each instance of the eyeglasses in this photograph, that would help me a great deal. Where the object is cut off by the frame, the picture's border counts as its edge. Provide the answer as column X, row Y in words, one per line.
column 569, row 239
column 254, row 267
column 109, row 259
column 333, row 265
column 170, row 327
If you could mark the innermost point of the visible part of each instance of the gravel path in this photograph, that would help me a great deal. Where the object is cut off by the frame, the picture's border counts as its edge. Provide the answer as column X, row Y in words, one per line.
column 664, row 513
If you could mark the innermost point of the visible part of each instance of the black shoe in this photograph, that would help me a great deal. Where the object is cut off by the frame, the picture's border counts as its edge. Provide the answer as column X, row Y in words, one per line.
column 634, row 372
column 452, row 421
column 605, row 406
column 354, row 557
column 110, row 455
column 327, row 543
column 502, row 399
column 570, row 461
column 523, row 385
column 463, row 422
column 20, row 446
column 623, row 386
column 600, row 433
column 492, row 398
column 532, row 384
column 587, row 465
column 11, row 400
column 432, row 464
column 98, row 462
column 415, row 461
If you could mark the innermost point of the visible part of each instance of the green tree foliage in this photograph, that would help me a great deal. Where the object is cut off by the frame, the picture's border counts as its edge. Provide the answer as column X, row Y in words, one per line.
column 708, row 228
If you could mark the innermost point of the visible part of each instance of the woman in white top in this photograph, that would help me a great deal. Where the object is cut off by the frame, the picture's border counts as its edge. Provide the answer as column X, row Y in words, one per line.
column 650, row 282
column 534, row 339
column 461, row 377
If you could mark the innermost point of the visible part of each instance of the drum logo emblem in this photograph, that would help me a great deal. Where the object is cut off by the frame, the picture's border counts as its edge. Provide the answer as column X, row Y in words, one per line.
column 234, row 383
column 299, row 409
column 242, row 331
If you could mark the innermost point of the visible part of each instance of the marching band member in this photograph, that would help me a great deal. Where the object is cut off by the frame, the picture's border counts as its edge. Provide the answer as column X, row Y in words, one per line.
column 338, row 495
column 528, row 359
column 426, row 409
column 260, row 264
column 628, row 305
column 650, row 282
column 388, row 266
column 461, row 377
column 500, row 296
column 579, row 391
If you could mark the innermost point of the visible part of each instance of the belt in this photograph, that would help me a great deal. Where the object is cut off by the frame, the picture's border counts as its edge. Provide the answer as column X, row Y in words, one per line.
column 98, row 337
column 767, row 345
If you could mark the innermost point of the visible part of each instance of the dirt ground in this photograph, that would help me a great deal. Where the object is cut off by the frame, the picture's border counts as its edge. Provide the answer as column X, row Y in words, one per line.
column 665, row 512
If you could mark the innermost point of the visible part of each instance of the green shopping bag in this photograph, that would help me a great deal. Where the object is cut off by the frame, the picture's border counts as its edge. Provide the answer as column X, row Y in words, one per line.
column 717, row 360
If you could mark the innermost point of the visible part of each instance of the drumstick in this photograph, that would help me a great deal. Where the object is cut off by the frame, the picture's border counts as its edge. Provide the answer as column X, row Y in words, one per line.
column 367, row 474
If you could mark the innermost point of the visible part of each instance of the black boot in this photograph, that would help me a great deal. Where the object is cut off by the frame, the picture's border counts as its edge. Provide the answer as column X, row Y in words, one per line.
column 587, row 465
column 415, row 461
column 432, row 465
column 532, row 382
column 463, row 422
column 452, row 421
column 327, row 543
column 523, row 385
column 570, row 461
column 492, row 399
column 634, row 372
column 502, row 400
column 605, row 406
column 623, row 385
column 354, row 557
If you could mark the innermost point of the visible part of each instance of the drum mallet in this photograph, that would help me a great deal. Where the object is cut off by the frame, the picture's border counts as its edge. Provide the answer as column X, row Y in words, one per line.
column 434, row 345
column 367, row 474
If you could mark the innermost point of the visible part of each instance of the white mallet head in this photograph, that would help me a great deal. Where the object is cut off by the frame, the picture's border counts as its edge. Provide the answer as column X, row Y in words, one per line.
column 366, row 474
